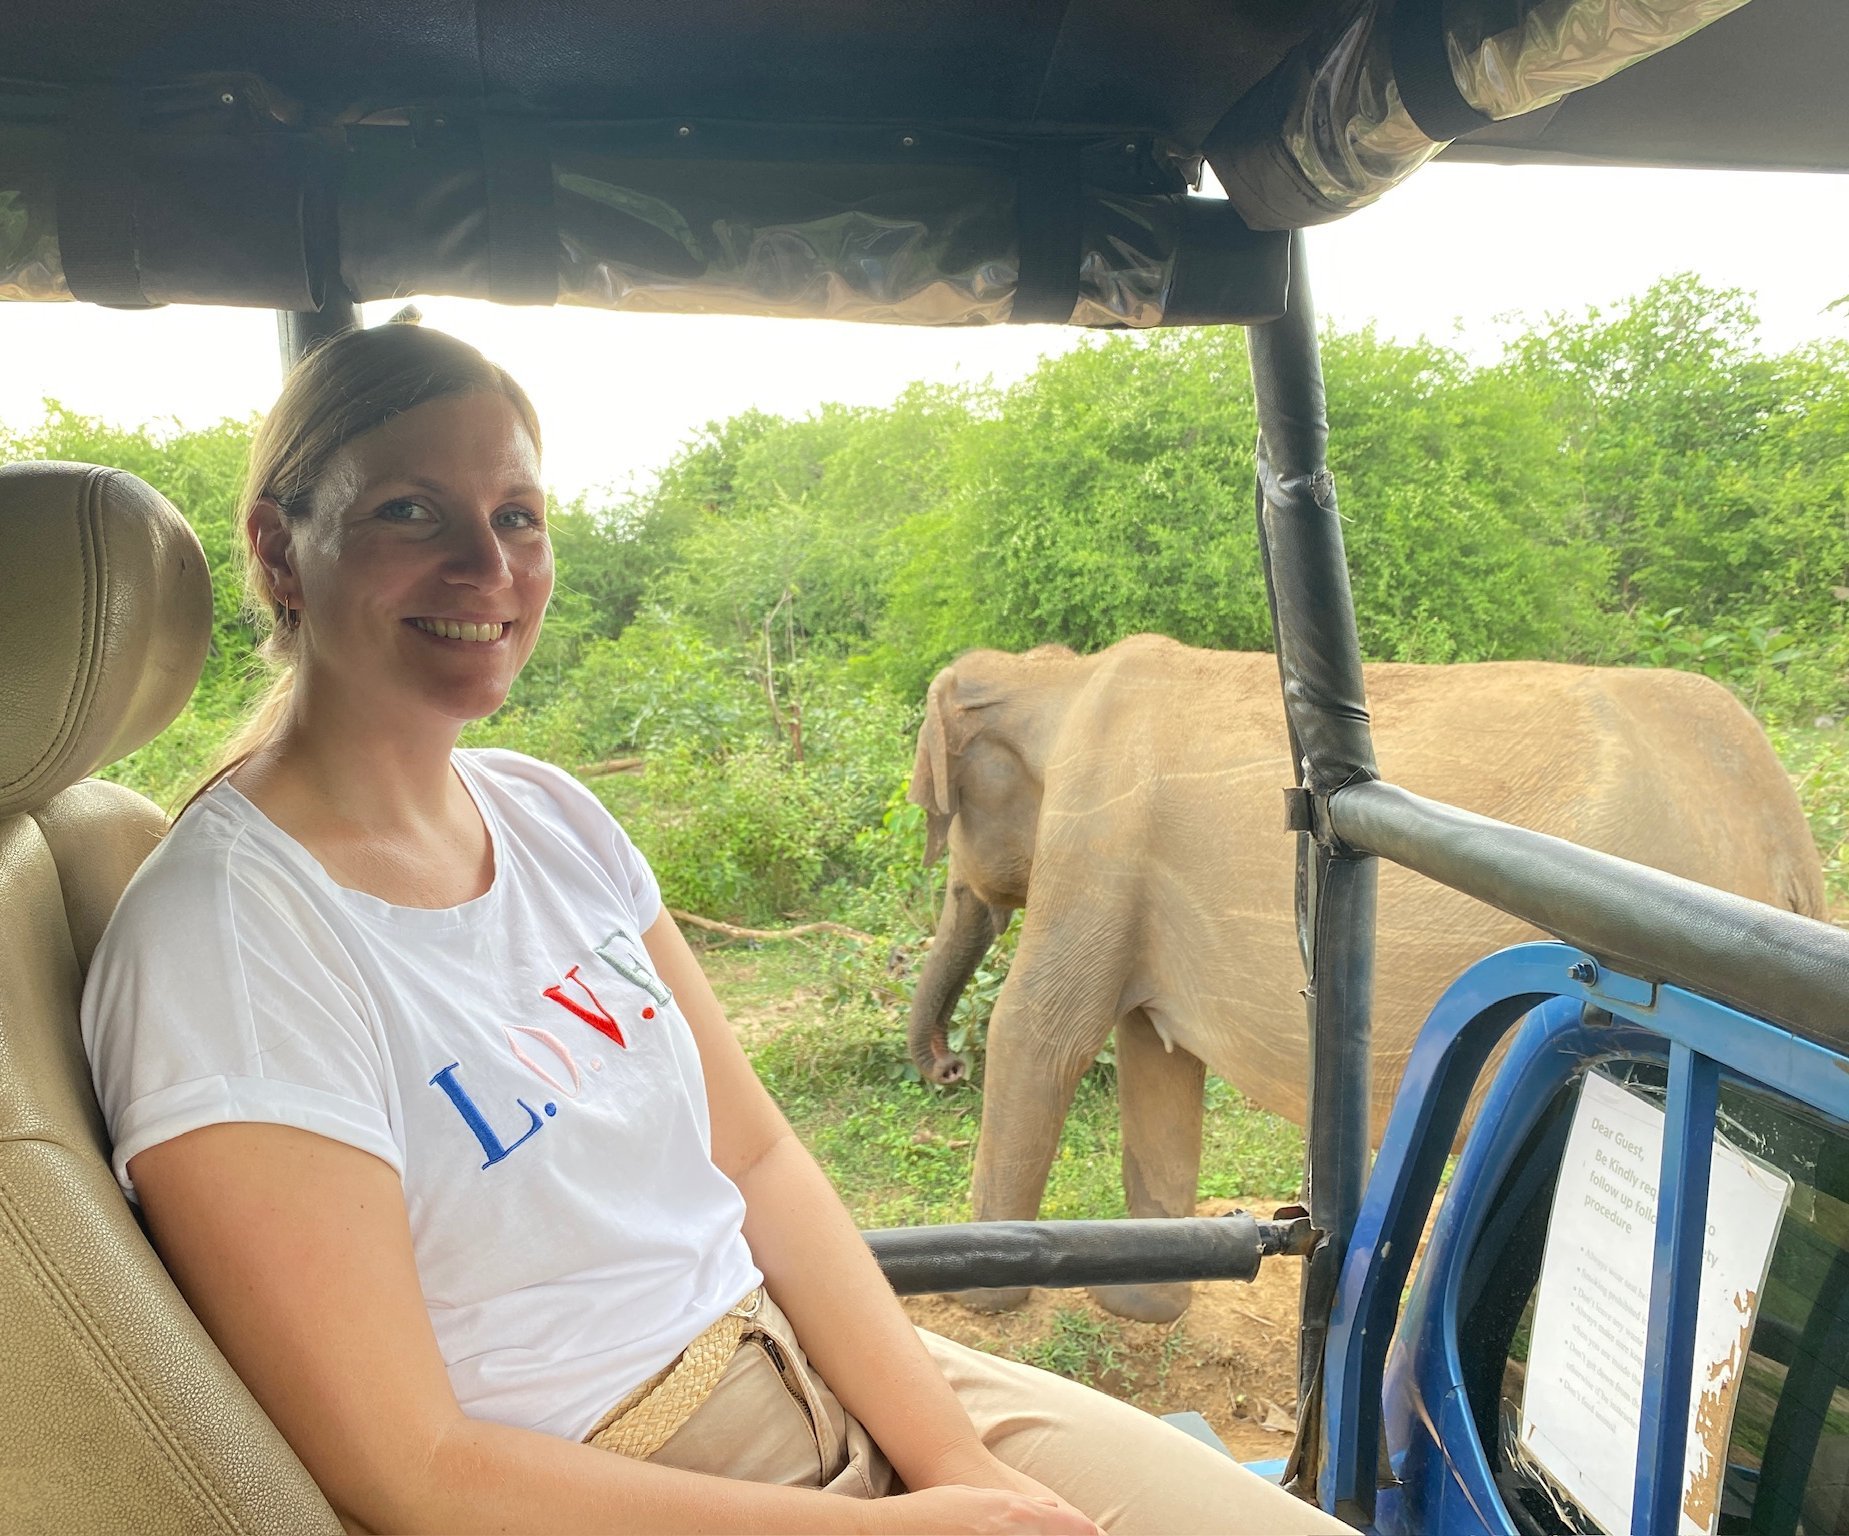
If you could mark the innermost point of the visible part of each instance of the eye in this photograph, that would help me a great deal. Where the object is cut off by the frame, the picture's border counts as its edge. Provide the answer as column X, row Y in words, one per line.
column 519, row 517
column 405, row 512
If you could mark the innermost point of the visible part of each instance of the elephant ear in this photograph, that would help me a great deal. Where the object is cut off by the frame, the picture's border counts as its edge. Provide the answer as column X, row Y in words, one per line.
column 932, row 786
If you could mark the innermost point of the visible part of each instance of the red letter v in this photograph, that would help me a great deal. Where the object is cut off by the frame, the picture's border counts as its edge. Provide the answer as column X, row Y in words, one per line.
column 601, row 1021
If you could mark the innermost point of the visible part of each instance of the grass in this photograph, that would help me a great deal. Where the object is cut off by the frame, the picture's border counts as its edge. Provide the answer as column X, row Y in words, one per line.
column 1078, row 1346
column 901, row 1153
column 1818, row 761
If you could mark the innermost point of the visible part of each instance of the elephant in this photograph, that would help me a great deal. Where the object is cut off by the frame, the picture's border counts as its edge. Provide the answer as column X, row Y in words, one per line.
column 1130, row 802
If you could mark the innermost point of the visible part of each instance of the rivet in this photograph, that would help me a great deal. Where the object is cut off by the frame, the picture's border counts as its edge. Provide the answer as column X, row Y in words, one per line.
column 908, row 141
column 227, row 99
column 685, row 131
column 439, row 122
column 1130, row 148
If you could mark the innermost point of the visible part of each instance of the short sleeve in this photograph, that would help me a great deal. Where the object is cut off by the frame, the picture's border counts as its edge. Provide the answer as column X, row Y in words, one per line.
column 644, row 889
column 220, row 994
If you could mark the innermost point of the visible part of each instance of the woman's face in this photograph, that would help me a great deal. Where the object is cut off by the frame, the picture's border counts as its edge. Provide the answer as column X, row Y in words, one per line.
column 423, row 569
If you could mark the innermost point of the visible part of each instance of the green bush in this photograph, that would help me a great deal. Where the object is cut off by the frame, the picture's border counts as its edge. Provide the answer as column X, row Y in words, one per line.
column 1643, row 484
column 738, row 828
column 1817, row 757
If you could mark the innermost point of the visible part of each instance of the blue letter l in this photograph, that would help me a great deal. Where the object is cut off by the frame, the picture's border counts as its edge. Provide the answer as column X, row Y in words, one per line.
column 477, row 1122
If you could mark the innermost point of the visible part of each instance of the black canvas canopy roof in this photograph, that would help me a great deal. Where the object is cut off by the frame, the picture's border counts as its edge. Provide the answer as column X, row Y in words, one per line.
column 960, row 162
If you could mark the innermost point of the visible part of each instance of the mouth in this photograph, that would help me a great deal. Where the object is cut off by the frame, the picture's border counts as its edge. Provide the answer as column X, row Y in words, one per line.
column 461, row 630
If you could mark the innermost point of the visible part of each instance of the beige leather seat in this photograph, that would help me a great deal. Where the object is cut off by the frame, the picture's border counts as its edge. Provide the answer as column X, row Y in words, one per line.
column 117, row 1413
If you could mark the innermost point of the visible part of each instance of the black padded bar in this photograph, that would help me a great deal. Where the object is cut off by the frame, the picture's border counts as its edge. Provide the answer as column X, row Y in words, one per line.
column 523, row 227
column 1789, row 969
column 1313, row 608
column 981, row 1254
column 1049, row 224
column 1422, row 69
column 299, row 332
column 1319, row 663
column 97, row 193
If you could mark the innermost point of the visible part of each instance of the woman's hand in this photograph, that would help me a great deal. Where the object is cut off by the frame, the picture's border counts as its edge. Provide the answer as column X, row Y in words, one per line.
column 977, row 1469
column 958, row 1507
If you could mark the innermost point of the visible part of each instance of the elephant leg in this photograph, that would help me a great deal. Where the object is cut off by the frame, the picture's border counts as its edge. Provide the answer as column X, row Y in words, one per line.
column 1160, row 1094
column 1046, row 1030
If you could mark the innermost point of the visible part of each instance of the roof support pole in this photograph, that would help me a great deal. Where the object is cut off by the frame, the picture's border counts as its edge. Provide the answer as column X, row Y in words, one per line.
column 299, row 331
column 1319, row 664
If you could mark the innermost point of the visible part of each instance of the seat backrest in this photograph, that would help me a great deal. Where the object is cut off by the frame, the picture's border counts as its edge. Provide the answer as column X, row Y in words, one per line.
column 117, row 1413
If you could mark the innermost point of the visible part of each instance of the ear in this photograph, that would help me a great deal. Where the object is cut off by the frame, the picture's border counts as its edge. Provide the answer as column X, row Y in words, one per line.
column 272, row 542
column 932, row 785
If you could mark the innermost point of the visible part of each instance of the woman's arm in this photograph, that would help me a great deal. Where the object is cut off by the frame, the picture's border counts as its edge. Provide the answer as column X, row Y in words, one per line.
column 295, row 1252
column 815, row 1263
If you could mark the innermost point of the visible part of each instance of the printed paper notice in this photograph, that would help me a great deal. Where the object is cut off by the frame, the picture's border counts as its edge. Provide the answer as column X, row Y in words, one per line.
column 1584, row 1392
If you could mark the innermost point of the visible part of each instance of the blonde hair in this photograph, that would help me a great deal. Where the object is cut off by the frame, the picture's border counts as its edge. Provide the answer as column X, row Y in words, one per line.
column 346, row 387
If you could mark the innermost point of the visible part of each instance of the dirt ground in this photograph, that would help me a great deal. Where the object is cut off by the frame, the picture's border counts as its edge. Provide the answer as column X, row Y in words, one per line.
column 1231, row 1357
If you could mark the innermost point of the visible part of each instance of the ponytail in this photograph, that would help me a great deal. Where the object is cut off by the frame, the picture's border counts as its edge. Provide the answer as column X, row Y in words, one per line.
column 262, row 723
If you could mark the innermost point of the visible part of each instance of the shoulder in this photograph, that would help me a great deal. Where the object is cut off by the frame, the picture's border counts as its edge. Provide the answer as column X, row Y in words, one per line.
column 214, row 873
column 201, row 857
column 541, row 790
column 517, row 773
column 532, row 794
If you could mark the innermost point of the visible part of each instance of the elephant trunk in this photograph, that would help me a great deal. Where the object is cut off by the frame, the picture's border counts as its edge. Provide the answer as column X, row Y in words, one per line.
column 967, row 928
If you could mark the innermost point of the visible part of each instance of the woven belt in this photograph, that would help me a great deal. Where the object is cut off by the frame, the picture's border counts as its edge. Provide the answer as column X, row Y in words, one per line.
column 644, row 1421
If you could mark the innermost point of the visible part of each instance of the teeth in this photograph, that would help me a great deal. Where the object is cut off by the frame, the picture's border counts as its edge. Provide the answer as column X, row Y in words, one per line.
column 449, row 629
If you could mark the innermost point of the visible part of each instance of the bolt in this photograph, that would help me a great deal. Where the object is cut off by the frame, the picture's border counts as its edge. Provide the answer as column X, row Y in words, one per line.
column 685, row 131
column 1584, row 972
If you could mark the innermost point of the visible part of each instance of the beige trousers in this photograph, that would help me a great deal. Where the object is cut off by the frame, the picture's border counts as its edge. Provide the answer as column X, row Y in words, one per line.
column 771, row 1419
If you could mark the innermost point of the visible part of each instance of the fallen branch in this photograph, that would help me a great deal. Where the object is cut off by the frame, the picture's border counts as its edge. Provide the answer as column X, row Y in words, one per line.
column 608, row 767
column 713, row 925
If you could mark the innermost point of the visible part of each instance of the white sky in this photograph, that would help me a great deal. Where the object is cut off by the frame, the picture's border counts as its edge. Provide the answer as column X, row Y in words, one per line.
column 1443, row 255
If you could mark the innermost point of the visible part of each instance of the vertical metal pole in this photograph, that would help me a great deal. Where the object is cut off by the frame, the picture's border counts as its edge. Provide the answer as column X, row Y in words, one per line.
column 1675, row 1290
column 299, row 331
column 1319, row 664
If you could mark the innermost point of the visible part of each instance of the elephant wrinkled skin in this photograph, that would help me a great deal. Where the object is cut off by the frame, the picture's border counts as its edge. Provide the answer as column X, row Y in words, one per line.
column 1136, row 794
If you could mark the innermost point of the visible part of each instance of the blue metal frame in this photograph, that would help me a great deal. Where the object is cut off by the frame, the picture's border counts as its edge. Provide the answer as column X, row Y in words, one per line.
column 1675, row 1285
column 1577, row 1015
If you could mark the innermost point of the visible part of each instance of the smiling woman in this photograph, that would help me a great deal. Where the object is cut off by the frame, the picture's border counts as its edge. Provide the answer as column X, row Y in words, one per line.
column 422, row 551
column 339, row 425
column 435, row 1120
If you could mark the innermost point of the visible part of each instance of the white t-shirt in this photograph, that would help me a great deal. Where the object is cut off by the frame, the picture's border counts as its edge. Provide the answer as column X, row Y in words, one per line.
column 515, row 1059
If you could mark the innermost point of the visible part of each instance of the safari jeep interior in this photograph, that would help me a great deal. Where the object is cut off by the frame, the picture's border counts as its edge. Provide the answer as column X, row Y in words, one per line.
column 952, row 164
column 117, row 1408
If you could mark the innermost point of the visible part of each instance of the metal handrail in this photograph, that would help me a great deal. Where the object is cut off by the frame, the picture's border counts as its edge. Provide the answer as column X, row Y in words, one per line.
column 987, row 1254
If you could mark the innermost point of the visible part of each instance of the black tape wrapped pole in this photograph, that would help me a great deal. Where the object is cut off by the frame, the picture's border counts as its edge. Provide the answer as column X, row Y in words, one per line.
column 1319, row 663
column 299, row 332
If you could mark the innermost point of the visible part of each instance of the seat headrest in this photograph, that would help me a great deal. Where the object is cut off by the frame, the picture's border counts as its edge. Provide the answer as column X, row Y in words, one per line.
column 105, row 617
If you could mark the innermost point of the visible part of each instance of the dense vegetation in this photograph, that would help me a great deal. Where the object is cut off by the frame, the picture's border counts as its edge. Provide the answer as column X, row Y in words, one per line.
column 1643, row 485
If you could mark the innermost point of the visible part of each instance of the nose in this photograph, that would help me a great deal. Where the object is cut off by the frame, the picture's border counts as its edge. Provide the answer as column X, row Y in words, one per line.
column 477, row 557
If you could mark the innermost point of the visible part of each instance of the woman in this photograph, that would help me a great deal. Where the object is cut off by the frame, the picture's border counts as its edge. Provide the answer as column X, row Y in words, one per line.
column 411, row 1076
